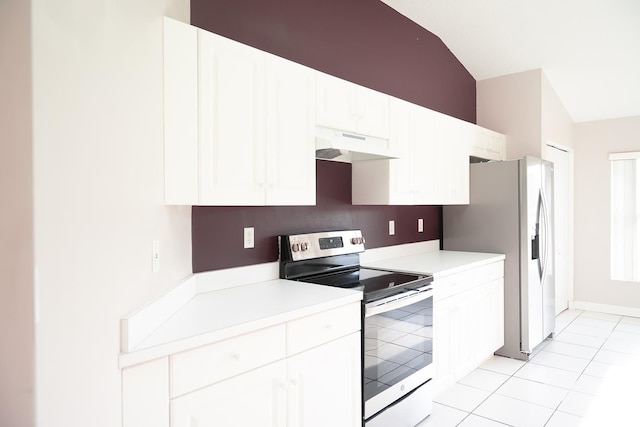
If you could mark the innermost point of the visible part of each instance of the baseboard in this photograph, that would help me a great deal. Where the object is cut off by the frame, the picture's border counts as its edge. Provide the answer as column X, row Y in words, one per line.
column 605, row 308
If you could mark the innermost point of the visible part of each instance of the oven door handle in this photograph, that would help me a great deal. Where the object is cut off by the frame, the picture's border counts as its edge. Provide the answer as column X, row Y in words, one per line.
column 397, row 301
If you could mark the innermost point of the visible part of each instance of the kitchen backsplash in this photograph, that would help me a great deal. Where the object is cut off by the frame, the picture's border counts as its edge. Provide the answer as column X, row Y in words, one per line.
column 217, row 232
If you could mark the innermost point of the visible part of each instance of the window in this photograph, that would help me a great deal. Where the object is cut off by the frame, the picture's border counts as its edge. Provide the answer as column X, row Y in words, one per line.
column 625, row 216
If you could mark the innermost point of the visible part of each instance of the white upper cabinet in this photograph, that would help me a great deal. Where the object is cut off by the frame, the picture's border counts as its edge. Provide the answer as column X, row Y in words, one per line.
column 232, row 113
column 241, row 128
column 241, row 133
column 433, row 168
column 405, row 180
column 451, row 170
column 350, row 107
column 180, row 113
column 290, row 153
column 487, row 144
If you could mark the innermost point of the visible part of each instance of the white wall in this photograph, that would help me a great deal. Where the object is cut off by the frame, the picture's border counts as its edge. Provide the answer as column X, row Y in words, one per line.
column 556, row 124
column 593, row 143
column 17, row 331
column 512, row 105
column 526, row 108
column 98, row 187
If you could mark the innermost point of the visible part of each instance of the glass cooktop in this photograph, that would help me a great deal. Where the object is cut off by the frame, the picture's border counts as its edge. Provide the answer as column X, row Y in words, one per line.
column 375, row 284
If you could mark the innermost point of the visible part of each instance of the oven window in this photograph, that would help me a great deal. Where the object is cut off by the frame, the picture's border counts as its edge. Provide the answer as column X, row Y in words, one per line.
column 397, row 343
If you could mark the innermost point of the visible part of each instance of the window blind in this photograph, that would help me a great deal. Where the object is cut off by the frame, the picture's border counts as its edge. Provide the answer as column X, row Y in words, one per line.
column 625, row 216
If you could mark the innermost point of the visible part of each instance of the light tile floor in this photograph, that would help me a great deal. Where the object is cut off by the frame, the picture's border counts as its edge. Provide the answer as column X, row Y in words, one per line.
column 587, row 376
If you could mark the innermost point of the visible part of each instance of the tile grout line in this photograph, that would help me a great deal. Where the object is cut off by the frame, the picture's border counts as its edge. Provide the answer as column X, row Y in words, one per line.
column 583, row 371
column 567, row 390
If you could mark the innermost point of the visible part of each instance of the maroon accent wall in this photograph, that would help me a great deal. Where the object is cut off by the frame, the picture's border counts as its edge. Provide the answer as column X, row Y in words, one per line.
column 217, row 232
column 363, row 41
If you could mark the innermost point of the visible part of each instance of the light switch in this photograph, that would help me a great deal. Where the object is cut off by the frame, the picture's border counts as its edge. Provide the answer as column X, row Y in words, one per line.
column 392, row 228
column 155, row 253
column 420, row 225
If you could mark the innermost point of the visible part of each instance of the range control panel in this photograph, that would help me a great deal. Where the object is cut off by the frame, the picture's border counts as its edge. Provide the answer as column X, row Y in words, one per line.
column 299, row 247
column 330, row 242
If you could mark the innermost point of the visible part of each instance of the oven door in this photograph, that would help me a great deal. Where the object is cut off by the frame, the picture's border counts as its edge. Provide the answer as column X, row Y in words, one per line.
column 398, row 348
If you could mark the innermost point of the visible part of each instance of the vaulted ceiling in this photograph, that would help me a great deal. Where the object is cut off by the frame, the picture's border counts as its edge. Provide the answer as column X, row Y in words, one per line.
column 588, row 49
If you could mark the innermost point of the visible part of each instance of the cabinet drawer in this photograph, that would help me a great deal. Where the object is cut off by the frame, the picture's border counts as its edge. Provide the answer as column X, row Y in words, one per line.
column 310, row 331
column 198, row 368
column 456, row 283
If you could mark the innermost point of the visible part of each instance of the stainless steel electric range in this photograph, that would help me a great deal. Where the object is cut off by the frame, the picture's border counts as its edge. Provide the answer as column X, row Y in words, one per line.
column 397, row 322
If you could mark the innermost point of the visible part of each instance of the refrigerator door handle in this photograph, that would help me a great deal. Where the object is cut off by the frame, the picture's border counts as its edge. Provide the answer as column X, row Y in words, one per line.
column 545, row 246
column 536, row 244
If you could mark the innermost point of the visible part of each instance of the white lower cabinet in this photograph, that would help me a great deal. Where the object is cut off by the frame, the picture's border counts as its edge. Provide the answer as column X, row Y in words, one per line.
column 319, row 387
column 324, row 385
column 304, row 372
column 145, row 394
column 256, row 398
column 469, row 324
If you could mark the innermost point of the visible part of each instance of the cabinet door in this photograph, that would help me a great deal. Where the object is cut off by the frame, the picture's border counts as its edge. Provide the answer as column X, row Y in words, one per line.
column 145, row 394
column 350, row 107
column 468, row 328
column 444, row 342
column 336, row 103
column 231, row 100
column 257, row 398
column 427, row 186
column 452, row 171
column 467, row 319
column 290, row 123
column 487, row 144
column 409, row 179
column 495, row 145
column 372, row 112
column 402, row 140
column 455, row 335
column 490, row 300
column 325, row 385
column 180, row 113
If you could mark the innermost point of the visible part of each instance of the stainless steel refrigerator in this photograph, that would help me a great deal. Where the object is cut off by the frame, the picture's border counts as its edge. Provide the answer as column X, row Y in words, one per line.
column 510, row 211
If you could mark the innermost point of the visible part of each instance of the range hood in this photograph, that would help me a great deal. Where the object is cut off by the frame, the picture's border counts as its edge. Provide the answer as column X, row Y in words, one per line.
column 342, row 146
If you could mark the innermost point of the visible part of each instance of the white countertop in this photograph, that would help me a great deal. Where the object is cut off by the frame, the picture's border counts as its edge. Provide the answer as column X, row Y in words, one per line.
column 218, row 315
column 203, row 310
column 438, row 263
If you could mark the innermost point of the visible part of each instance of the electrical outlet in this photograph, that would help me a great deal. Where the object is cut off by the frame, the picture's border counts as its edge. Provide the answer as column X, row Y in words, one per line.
column 420, row 225
column 155, row 254
column 392, row 228
column 249, row 238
